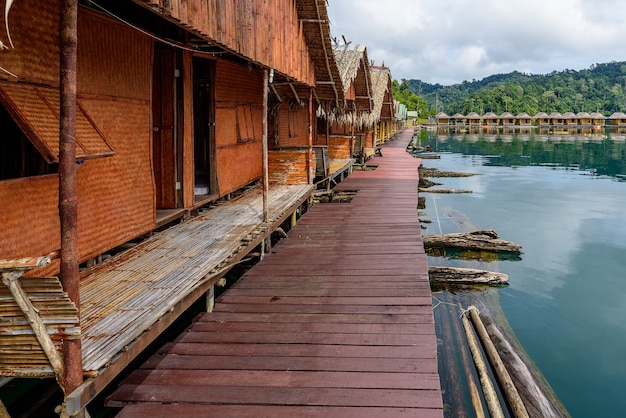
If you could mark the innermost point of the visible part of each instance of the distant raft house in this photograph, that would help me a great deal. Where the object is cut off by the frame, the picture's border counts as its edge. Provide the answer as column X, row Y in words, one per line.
column 541, row 119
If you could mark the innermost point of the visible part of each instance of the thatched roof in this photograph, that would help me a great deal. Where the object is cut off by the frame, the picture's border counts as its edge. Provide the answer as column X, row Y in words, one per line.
column 354, row 69
column 540, row 115
column 316, row 27
column 555, row 115
column 383, row 99
column 472, row 115
column 442, row 115
column 569, row 115
column 597, row 115
column 523, row 115
column 618, row 115
column 490, row 115
column 583, row 115
column 506, row 115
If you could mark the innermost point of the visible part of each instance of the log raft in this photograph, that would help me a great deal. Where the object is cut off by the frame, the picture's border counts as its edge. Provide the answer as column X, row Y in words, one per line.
column 481, row 240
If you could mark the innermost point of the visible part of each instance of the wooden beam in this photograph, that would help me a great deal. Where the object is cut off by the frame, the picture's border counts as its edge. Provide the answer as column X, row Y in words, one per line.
column 265, row 158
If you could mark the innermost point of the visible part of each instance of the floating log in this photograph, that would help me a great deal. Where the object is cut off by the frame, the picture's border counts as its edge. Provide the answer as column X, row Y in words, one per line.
column 515, row 402
column 489, row 391
column 447, row 191
column 482, row 240
column 458, row 275
column 425, row 183
column 428, row 156
column 433, row 172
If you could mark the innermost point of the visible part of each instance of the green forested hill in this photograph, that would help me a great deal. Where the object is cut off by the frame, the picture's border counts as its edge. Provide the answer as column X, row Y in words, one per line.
column 601, row 88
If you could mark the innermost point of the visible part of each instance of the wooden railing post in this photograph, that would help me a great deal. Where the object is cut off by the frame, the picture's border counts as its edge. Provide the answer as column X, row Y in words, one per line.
column 68, row 204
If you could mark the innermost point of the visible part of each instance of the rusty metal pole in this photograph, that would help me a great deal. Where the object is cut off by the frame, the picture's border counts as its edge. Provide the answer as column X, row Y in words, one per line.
column 265, row 162
column 311, row 126
column 68, row 202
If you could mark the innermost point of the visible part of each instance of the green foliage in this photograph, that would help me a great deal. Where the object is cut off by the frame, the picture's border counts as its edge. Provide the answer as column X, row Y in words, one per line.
column 601, row 88
column 412, row 101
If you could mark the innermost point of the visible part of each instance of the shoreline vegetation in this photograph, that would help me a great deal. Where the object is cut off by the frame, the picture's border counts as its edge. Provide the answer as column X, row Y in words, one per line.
column 596, row 89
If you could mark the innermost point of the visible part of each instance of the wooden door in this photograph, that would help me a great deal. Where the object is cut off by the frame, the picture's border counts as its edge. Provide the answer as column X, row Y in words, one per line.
column 165, row 152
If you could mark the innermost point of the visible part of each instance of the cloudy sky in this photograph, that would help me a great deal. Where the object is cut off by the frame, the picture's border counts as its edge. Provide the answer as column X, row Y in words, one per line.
column 449, row 41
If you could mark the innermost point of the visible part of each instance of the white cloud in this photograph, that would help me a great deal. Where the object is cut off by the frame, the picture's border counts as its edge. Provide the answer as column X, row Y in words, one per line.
column 451, row 41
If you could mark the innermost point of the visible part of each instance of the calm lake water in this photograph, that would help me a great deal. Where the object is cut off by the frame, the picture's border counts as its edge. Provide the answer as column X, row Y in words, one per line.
column 563, row 198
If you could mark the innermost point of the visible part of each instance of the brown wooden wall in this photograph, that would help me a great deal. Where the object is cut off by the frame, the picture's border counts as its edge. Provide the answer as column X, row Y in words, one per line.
column 369, row 140
column 298, row 133
column 339, row 147
column 238, row 163
column 340, row 129
column 115, row 194
column 259, row 30
column 289, row 166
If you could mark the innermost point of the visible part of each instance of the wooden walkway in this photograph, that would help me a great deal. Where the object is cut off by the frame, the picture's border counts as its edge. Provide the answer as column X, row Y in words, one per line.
column 336, row 321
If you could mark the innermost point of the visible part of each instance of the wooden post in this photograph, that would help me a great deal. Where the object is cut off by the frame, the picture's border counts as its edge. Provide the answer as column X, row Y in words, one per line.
column 265, row 158
column 310, row 151
column 352, row 139
column 210, row 299
column 68, row 203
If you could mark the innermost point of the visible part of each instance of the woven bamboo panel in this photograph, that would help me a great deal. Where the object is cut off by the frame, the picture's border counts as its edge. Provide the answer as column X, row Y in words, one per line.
column 37, row 197
column 116, row 195
column 33, row 23
column 37, row 108
column 20, row 352
column 238, row 84
column 113, row 59
column 238, row 165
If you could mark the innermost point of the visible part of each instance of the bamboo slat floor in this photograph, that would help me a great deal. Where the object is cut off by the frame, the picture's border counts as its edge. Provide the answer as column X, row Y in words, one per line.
column 336, row 321
column 129, row 293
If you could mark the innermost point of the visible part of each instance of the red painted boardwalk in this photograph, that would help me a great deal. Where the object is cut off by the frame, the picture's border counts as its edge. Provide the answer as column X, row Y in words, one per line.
column 336, row 322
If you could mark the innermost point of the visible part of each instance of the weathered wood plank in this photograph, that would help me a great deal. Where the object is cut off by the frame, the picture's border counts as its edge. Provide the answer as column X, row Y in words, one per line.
column 207, row 322
column 396, row 398
column 263, row 337
column 208, row 356
column 254, row 411
column 286, row 378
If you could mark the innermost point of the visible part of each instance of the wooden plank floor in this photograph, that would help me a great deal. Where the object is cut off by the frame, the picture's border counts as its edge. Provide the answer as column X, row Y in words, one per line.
column 336, row 322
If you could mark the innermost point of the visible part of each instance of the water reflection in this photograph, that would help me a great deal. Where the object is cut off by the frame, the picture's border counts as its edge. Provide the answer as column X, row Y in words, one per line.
column 601, row 152
column 562, row 198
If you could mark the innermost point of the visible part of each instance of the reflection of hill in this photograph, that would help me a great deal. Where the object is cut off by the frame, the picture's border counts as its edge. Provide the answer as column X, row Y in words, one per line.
column 601, row 153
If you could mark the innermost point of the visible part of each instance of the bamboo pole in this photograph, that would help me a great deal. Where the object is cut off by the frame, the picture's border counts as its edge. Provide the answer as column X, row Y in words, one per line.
column 68, row 203
column 512, row 395
column 491, row 398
